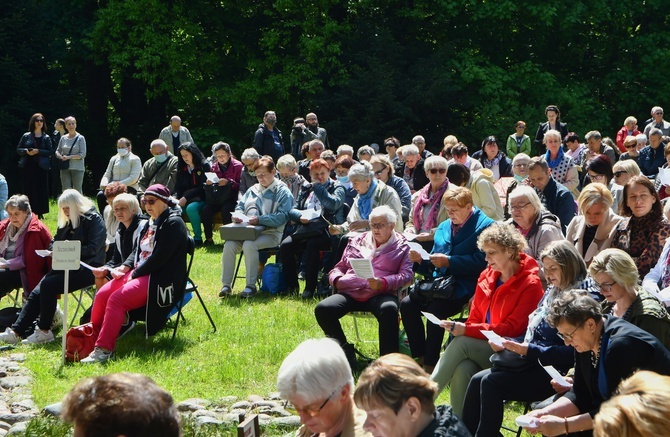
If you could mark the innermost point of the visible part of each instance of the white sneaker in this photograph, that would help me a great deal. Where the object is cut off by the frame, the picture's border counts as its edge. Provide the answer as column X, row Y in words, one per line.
column 9, row 336
column 97, row 356
column 58, row 319
column 39, row 337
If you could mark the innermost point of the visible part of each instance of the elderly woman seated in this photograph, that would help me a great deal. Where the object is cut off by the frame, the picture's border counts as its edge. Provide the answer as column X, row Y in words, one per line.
column 20, row 236
column 507, row 292
column 539, row 226
column 317, row 380
column 607, row 350
column 593, row 229
column 267, row 203
column 388, row 253
column 155, row 278
column 383, row 169
column 428, row 210
column 411, row 168
column 455, row 253
column 398, row 397
column 614, row 271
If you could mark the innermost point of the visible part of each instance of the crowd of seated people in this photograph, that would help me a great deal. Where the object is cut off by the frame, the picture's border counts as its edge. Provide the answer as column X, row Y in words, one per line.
column 578, row 217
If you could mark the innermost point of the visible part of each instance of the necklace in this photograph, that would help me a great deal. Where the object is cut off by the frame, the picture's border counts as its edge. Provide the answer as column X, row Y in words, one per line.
column 596, row 355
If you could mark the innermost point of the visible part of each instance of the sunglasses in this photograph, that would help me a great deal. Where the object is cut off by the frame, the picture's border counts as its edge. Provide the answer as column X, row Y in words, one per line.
column 437, row 170
column 149, row 201
column 619, row 173
column 378, row 172
column 39, row 120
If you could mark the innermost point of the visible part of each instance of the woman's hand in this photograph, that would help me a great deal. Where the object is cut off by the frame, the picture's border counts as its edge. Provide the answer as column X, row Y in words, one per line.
column 456, row 328
column 439, row 260
column 414, row 256
column 99, row 272
column 253, row 221
column 182, row 202
column 517, row 348
column 208, row 182
column 548, row 425
column 236, row 220
column 304, row 221
column 334, row 230
column 223, row 182
column 376, row 284
column 424, row 236
column 560, row 389
column 495, row 347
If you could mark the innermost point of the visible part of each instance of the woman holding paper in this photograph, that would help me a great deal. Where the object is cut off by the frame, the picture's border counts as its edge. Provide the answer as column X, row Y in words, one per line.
column 607, row 350
column 516, row 374
column 20, row 236
column 455, row 253
column 189, row 189
column 506, row 293
column 386, row 253
column 77, row 220
column 319, row 203
column 229, row 171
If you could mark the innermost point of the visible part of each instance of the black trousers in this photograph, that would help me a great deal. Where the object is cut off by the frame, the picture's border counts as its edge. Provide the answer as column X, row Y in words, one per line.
column 383, row 306
column 427, row 342
column 43, row 299
column 290, row 252
column 209, row 211
column 9, row 280
column 483, row 407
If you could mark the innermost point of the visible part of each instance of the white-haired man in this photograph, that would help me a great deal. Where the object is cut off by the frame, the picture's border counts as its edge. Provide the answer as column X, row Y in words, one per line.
column 160, row 169
column 657, row 122
column 175, row 134
column 420, row 142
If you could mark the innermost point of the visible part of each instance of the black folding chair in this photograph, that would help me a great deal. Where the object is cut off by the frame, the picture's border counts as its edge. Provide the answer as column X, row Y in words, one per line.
column 191, row 288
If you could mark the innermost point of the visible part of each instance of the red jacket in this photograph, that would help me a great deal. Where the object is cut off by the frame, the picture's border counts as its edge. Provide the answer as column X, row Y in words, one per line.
column 32, row 266
column 510, row 304
column 621, row 136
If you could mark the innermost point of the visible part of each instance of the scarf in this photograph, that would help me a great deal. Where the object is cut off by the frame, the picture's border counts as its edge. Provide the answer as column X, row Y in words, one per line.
column 424, row 199
column 492, row 163
column 13, row 233
column 553, row 163
column 365, row 200
column 369, row 249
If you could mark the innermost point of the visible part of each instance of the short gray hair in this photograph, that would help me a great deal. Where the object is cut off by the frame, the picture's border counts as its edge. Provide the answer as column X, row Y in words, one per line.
column 435, row 161
column 363, row 150
column 552, row 133
column 361, row 171
column 530, row 195
column 418, row 139
column 521, row 157
column 655, row 131
column 159, row 142
column 384, row 211
column 410, row 150
column 287, row 162
column 250, row 153
column 20, row 202
column 345, row 149
column 593, row 134
column 641, row 138
column 314, row 369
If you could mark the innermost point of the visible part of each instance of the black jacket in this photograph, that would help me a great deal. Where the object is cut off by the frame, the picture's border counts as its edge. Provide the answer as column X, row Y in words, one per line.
column 190, row 185
column 124, row 249
column 559, row 201
column 542, row 129
column 419, row 175
column 445, row 424
column 629, row 349
column 505, row 165
column 264, row 143
column 92, row 234
column 166, row 266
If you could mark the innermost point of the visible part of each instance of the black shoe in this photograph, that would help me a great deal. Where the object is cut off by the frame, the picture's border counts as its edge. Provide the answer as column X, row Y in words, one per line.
column 198, row 243
column 208, row 242
column 248, row 292
column 126, row 329
column 225, row 291
column 307, row 294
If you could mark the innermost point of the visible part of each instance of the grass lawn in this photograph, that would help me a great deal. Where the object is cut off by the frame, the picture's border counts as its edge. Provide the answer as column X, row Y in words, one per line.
column 241, row 358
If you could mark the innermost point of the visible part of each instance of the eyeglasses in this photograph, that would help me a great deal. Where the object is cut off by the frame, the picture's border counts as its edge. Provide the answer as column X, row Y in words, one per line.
column 437, row 170
column 658, row 113
column 146, row 201
column 568, row 337
column 315, row 412
column 596, row 177
column 606, row 287
column 619, row 173
column 518, row 207
column 631, row 147
column 378, row 225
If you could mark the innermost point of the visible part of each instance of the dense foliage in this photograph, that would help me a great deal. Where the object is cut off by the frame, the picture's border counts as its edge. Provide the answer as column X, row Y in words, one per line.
column 368, row 68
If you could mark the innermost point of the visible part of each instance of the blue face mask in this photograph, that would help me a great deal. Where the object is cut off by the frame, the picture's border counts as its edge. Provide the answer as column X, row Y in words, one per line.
column 519, row 178
column 160, row 158
column 343, row 179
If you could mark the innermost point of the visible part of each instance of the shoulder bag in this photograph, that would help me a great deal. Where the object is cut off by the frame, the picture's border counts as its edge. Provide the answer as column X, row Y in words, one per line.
column 65, row 165
column 427, row 290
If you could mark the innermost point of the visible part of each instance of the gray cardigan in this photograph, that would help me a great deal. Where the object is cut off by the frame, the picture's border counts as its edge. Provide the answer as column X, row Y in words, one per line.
column 65, row 148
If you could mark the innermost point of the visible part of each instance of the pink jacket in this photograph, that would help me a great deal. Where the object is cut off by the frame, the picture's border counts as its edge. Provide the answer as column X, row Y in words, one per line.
column 390, row 263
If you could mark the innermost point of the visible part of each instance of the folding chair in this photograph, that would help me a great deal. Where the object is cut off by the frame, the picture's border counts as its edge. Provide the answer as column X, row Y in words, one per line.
column 14, row 296
column 191, row 288
column 526, row 409
column 402, row 292
column 79, row 296
column 269, row 250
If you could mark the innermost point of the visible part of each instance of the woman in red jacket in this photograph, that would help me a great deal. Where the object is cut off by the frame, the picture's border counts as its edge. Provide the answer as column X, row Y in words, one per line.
column 20, row 236
column 507, row 292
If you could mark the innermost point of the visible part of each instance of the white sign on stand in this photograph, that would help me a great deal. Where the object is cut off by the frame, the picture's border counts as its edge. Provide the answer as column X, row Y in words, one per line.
column 66, row 256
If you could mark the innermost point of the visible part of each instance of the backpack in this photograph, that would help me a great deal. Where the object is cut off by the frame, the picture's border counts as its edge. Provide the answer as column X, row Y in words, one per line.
column 272, row 279
column 8, row 316
column 79, row 342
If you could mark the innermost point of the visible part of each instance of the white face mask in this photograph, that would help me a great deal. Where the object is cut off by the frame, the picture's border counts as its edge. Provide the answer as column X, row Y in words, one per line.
column 122, row 152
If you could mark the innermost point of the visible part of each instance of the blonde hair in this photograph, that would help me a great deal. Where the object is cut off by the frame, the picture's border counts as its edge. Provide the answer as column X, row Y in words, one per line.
column 391, row 380
column 129, row 201
column 627, row 165
column 638, row 409
column 617, row 264
column 593, row 194
column 78, row 205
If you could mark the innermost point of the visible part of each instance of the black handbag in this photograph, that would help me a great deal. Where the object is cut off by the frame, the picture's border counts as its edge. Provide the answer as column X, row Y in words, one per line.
column 217, row 195
column 313, row 228
column 434, row 288
column 508, row 361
